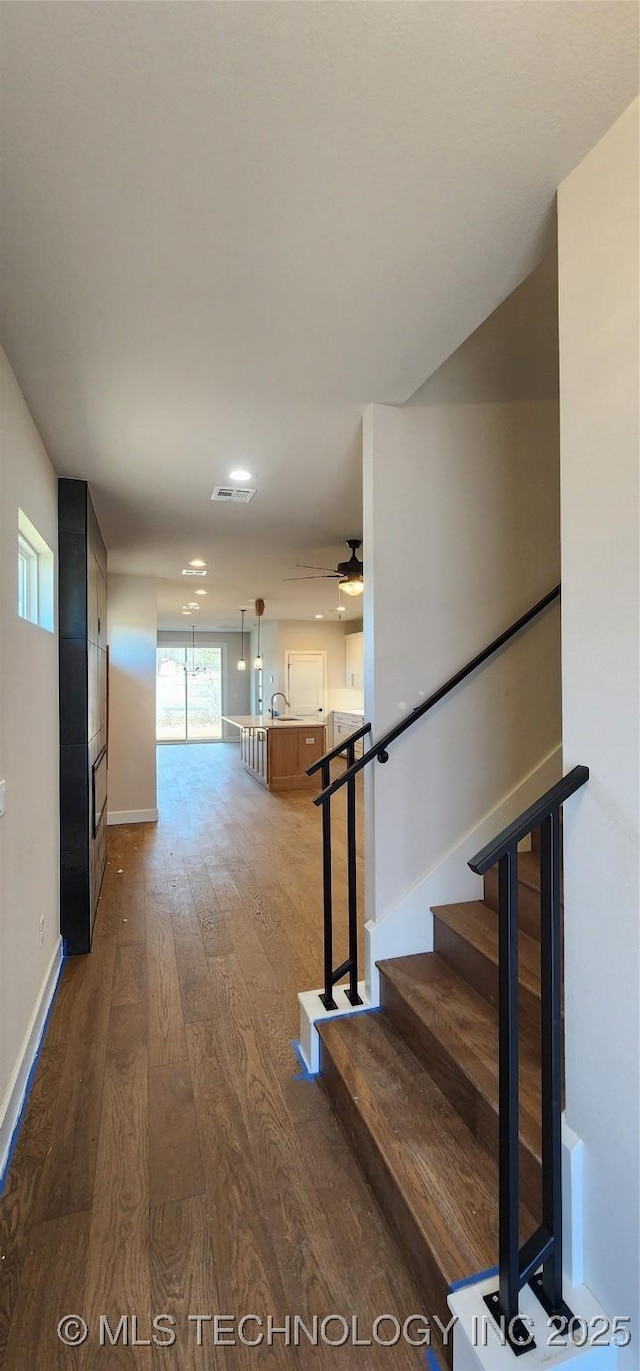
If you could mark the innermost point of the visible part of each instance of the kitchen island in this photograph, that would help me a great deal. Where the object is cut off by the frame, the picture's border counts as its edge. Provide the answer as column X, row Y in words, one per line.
column 277, row 752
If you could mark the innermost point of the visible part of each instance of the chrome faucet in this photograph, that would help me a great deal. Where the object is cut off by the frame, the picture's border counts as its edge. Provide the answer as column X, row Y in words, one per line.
column 273, row 712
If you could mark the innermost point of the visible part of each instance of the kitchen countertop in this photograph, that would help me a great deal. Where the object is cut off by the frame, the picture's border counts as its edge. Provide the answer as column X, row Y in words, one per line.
column 265, row 721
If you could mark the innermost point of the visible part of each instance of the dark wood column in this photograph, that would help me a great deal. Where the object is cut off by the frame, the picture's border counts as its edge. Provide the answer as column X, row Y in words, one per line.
column 82, row 593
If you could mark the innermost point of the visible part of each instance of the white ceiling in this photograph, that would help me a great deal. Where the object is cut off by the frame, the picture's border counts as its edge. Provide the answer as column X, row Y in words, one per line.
column 228, row 227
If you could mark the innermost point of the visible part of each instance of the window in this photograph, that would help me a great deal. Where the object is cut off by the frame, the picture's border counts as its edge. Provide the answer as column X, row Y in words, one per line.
column 35, row 575
column 27, row 580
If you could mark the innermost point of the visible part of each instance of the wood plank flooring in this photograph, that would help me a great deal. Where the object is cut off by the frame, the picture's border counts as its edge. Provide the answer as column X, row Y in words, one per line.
column 169, row 1162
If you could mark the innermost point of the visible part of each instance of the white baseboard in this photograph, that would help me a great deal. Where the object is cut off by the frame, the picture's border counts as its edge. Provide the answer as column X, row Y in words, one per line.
column 132, row 816
column 408, row 927
column 572, row 1205
column 18, row 1088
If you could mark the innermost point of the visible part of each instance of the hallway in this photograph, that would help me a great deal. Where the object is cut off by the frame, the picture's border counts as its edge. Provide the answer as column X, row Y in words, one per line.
column 169, row 1162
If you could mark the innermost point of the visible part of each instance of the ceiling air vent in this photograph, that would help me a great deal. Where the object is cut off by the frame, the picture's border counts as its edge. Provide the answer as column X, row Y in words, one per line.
column 236, row 495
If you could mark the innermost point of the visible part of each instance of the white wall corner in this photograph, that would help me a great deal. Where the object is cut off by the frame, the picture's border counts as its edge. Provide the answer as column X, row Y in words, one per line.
column 17, row 1090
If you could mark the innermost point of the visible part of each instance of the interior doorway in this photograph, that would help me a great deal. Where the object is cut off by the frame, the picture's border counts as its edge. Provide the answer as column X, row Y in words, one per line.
column 307, row 684
column 189, row 694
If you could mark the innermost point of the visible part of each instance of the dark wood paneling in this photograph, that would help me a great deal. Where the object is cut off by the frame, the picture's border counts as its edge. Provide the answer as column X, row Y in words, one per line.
column 83, row 709
column 72, row 559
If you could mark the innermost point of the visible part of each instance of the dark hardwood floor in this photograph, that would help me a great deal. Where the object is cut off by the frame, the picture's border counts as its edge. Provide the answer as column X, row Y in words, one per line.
column 169, row 1162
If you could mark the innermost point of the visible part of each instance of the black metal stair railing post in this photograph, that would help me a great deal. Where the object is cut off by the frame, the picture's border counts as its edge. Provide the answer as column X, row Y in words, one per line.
column 503, row 1303
column 539, row 1260
column 509, row 1197
column 352, row 880
column 327, row 997
column 548, row 1284
column 332, row 976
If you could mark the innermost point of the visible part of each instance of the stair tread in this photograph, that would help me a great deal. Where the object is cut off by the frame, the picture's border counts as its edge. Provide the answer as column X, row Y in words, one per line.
column 477, row 923
column 446, row 1179
column 467, row 1027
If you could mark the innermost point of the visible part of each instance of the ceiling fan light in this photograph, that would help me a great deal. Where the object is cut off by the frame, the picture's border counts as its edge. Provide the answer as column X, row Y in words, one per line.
column 354, row 587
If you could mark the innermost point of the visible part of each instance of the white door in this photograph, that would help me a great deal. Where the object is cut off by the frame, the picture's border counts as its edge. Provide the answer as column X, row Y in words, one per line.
column 306, row 673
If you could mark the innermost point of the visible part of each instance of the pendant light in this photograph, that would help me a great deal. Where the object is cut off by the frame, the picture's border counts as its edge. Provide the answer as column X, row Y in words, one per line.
column 258, row 662
column 242, row 665
column 194, row 669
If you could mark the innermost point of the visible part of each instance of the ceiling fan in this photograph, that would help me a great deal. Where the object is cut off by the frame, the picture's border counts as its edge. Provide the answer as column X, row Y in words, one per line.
column 348, row 573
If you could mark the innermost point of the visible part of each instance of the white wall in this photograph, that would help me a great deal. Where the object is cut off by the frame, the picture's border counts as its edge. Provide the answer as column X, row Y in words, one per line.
column 236, row 685
column 512, row 356
column 29, row 753
column 600, row 454
column 306, row 635
column 132, row 632
column 461, row 527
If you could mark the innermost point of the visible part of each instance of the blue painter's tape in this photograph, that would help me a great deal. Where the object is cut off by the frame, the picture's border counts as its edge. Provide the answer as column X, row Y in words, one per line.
column 32, row 1071
column 432, row 1361
column 304, row 1074
column 473, row 1280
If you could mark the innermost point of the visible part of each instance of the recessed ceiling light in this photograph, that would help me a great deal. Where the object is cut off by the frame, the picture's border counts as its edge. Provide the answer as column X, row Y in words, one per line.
column 197, row 561
column 319, row 616
column 341, row 608
column 193, row 605
column 239, row 474
column 200, row 592
column 186, row 611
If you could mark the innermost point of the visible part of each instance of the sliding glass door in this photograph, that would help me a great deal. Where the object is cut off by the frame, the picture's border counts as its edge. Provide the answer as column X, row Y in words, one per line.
column 188, row 694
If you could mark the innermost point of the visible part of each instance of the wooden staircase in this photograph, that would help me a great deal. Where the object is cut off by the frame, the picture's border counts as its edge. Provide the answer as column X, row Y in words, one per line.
column 415, row 1085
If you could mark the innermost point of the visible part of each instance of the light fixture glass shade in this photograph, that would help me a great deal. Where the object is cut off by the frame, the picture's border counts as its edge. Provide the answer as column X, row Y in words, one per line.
column 242, row 665
column 258, row 663
column 352, row 587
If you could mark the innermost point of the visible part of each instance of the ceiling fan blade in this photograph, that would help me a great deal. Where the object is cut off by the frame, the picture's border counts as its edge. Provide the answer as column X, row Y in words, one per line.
column 330, row 577
column 303, row 566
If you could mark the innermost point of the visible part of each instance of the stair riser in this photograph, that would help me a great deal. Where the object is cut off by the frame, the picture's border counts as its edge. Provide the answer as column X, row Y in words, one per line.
column 528, row 903
column 427, row 1276
column 480, row 972
column 477, row 1112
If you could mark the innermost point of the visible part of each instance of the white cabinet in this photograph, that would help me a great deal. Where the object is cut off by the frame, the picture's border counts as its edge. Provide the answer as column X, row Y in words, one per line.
column 344, row 725
column 354, row 650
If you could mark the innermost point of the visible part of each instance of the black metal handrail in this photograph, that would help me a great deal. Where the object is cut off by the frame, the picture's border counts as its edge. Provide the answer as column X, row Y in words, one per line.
column 338, row 750
column 347, row 778
column 380, row 748
column 517, row 1265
